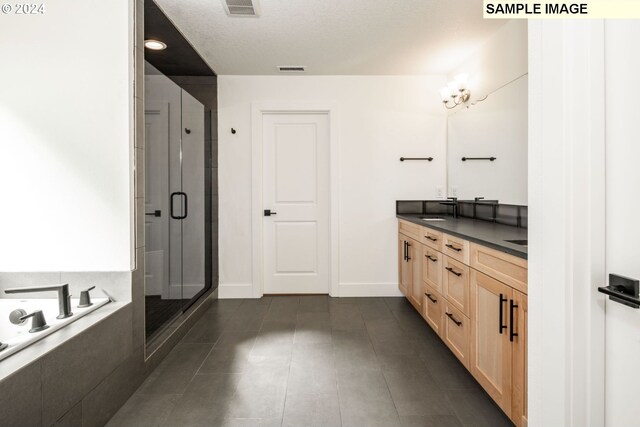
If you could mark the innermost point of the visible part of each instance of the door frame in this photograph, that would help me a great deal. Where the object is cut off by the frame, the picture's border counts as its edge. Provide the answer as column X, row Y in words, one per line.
column 259, row 109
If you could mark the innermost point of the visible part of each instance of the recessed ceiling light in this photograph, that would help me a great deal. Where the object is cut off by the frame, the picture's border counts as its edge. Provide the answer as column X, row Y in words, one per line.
column 154, row 44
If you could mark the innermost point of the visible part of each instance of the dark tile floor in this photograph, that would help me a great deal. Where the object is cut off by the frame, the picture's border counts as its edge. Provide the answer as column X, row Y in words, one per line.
column 310, row 361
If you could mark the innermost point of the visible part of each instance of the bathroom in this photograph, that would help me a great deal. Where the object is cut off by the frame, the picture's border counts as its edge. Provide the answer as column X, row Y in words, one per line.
column 164, row 262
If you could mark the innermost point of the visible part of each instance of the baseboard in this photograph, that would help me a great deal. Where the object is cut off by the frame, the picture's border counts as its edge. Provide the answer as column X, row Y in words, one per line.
column 368, row 290
column 245, row 290
column 235, row 290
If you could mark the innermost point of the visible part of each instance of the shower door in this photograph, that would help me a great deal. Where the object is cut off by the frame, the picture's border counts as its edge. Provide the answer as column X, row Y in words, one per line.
column 174, row 202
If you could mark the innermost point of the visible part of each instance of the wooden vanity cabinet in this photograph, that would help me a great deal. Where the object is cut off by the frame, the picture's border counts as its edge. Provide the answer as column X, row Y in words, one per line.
column 475, row 298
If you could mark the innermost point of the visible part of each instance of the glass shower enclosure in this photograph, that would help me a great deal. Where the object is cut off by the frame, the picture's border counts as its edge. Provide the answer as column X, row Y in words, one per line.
column 174, row 201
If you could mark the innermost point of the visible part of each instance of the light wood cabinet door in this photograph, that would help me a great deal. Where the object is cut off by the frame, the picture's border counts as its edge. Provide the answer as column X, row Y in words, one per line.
column 456, row 248
column 433, row 309
column 404, row 266
column 507, row 268
column 416, row 291
column 432, row 268
column 410, row 229
column 455, row 332
column 455, row 283
column 491, row 349
column 518, row 304
column 432, row 238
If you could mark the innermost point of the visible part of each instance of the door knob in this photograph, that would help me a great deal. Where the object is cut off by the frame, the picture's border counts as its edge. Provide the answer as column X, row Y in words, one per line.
column 268, row 212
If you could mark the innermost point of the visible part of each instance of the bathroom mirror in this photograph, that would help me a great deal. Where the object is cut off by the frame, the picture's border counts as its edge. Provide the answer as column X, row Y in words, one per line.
column 494, row 128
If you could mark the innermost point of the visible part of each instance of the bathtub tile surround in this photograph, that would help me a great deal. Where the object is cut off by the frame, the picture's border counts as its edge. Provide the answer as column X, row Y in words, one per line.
column 17, row 392
column 71, row 371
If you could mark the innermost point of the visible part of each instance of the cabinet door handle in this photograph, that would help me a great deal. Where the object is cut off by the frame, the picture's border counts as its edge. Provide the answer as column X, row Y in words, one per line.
column 501, row 327
column 433, row 239
column 432, row 299
column 452, row 271
column 511, row 333
column 404, row 250
column 408, row 246
column 430, row 258
column 453, row 247
column 457, row 322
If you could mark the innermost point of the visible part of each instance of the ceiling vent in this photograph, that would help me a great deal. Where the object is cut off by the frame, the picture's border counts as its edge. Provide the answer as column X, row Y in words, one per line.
column 292, row 68
column 241, row 7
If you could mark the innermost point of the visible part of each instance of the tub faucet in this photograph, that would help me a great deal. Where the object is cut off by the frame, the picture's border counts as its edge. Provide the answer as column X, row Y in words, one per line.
column 64, row 299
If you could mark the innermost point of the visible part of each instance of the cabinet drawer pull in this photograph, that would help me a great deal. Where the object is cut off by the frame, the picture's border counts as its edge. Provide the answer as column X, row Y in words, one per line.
column 432, row 299
column 431, row 258
column 511, row 333
column 457, row 322
column 452, row 271
column 433, row 239
column 453, row 247
column 501, row 327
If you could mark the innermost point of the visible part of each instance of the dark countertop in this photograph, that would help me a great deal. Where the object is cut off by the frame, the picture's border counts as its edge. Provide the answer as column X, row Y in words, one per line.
column 483, row 232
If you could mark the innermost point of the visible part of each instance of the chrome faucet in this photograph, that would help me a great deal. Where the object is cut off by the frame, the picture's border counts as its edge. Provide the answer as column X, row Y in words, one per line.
column 64, row 299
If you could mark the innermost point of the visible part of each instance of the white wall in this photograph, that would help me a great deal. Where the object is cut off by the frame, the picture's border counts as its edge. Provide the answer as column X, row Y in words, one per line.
column 501, row 59
column 379, row 120
column 66, row 138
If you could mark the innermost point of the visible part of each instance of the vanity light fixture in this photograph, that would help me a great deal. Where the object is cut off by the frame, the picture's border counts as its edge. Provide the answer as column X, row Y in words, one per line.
column 154, row 44
column 456, row 92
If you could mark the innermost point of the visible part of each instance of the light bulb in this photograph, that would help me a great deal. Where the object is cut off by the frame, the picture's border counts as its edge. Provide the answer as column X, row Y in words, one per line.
column 445, row 94
column 462, row 80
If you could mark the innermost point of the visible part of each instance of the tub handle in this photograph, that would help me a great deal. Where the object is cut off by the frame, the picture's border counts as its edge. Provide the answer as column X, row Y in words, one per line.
column 85, row 298
column 38, row 322
column 16, row 315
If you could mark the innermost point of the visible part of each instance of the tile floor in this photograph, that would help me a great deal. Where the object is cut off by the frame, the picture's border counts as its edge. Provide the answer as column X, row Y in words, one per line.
column 310, row 361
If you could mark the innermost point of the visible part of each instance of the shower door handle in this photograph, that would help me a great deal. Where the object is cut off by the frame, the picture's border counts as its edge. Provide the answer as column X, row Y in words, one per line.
column 173, row 195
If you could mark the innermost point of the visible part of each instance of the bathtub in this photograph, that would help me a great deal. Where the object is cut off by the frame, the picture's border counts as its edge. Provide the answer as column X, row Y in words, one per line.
column 17, row 337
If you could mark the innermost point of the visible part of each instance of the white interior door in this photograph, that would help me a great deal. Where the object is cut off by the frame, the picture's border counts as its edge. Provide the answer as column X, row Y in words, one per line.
column 622, row 376
column 296, row 191
column 156, row 198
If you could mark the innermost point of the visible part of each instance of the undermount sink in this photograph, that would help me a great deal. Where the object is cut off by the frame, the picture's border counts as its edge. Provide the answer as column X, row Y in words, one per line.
column 518, row 242
column 432, row 219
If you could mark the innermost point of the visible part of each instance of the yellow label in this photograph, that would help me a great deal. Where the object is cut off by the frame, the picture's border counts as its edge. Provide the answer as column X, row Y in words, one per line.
column 587, row 9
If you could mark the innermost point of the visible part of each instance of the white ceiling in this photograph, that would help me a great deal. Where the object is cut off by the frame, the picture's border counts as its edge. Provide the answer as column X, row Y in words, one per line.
column 379, row 37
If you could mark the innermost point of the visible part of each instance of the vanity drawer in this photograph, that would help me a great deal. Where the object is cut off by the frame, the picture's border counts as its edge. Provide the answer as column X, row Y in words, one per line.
column 432, row 238
column 432, row 268
column 455, row 332
column 456, row 248
column 433, row 309
column 507, row 268
column 410, row 229
column 455, row 283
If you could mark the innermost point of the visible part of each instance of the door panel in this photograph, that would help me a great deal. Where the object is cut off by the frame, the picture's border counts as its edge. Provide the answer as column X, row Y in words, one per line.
column 296, row 191
column 417, row 289
column 622, row 226
column 490, row 345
